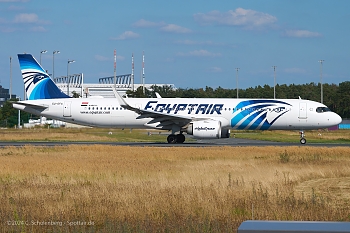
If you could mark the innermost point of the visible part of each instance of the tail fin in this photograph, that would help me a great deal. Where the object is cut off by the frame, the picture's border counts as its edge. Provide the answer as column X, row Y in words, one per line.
column 37, row 82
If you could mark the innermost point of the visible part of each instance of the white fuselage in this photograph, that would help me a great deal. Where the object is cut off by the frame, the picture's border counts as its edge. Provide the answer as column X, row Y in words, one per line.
column 257, row 114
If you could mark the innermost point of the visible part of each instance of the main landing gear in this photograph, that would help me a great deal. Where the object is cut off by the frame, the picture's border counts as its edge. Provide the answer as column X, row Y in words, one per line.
column 302, row 139
column 178, row 138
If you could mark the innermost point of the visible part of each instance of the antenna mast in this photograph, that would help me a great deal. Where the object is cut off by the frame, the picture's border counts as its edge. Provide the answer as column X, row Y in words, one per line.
column 143, row 71
column 132, row 71
column 115, row 68
column 10, row 77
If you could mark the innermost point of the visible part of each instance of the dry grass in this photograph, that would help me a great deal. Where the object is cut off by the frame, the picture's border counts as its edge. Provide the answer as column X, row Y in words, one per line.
column 79, row 134
column 47, row 134
column 170, row 189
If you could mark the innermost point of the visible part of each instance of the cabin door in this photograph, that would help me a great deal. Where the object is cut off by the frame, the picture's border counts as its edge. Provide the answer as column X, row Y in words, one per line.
column 67, row 109
column 302, row 110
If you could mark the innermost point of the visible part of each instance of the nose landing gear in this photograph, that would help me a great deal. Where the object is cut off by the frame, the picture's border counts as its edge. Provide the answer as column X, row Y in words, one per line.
column 302, row 137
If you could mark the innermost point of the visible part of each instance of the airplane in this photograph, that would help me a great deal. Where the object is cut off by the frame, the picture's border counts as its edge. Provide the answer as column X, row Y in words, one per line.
column 204, row 118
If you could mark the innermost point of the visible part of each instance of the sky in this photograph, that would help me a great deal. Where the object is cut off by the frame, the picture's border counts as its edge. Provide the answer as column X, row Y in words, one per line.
column 191, row 44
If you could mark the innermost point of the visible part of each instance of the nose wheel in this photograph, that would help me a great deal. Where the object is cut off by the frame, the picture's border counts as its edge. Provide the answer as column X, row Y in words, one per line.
column 302, row 137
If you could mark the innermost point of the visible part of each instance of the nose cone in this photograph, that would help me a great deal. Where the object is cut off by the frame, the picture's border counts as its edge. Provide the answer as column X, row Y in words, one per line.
column 335, row 119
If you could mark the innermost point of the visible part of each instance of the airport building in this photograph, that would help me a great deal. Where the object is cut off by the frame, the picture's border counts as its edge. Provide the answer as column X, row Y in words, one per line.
column 5, row 95
column 104, row 88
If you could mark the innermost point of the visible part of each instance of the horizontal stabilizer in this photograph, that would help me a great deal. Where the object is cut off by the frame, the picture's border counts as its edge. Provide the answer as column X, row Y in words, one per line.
column 31, row 105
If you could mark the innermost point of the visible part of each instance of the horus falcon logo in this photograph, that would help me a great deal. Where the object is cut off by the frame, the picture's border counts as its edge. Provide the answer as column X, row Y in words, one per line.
column 258, row 114
column 32, row 78
column 38, row 77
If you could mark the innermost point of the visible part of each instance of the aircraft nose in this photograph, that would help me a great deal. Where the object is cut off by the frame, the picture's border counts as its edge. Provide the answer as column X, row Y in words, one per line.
column 337, row 119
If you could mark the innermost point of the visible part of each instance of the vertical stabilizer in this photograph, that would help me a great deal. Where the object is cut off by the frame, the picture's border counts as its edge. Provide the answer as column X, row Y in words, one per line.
column 37, row 82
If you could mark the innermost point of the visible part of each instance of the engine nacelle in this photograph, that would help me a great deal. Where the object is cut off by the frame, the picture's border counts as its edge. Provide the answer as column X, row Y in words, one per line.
column 205, row 129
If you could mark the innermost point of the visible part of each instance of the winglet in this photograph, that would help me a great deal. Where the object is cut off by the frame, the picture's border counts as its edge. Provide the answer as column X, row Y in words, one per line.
column 158, row 96
column 123, row 103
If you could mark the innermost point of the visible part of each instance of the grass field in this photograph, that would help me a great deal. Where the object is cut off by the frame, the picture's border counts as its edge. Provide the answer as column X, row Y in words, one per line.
column 82, row 134
column 127, row 135
column 314, row 136
column 132, row 189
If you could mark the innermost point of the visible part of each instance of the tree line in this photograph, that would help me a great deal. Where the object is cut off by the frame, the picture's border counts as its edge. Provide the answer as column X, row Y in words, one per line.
column 336, row 97
column 9, row 115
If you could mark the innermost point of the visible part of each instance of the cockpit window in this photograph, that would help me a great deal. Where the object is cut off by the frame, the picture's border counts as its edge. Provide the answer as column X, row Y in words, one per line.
column 323, row 109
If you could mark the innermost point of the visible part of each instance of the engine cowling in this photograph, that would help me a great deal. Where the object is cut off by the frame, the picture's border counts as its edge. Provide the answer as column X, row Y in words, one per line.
column 205, row 129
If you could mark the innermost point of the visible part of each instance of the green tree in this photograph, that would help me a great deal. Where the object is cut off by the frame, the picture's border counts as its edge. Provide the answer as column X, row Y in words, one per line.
column 139, row 93
column 9, row 115
column 343, row 99
column 75, row 94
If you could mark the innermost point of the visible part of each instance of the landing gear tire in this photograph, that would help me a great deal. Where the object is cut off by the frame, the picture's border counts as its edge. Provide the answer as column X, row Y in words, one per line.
column 172, row 138
column 180, row 138
column 302, row 139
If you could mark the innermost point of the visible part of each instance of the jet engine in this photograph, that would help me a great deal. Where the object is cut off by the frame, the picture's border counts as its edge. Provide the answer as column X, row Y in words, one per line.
column 205, row 129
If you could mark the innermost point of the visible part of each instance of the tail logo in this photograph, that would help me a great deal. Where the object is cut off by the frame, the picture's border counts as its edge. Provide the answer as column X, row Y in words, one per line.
column 37, row 82
column 38, row 77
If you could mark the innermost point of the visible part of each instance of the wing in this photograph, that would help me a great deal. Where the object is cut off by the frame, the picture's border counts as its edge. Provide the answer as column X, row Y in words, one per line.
column 159, row 119
column 162, row 120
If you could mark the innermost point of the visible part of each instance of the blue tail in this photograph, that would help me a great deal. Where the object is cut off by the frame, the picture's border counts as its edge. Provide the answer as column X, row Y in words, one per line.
column 37, row 82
